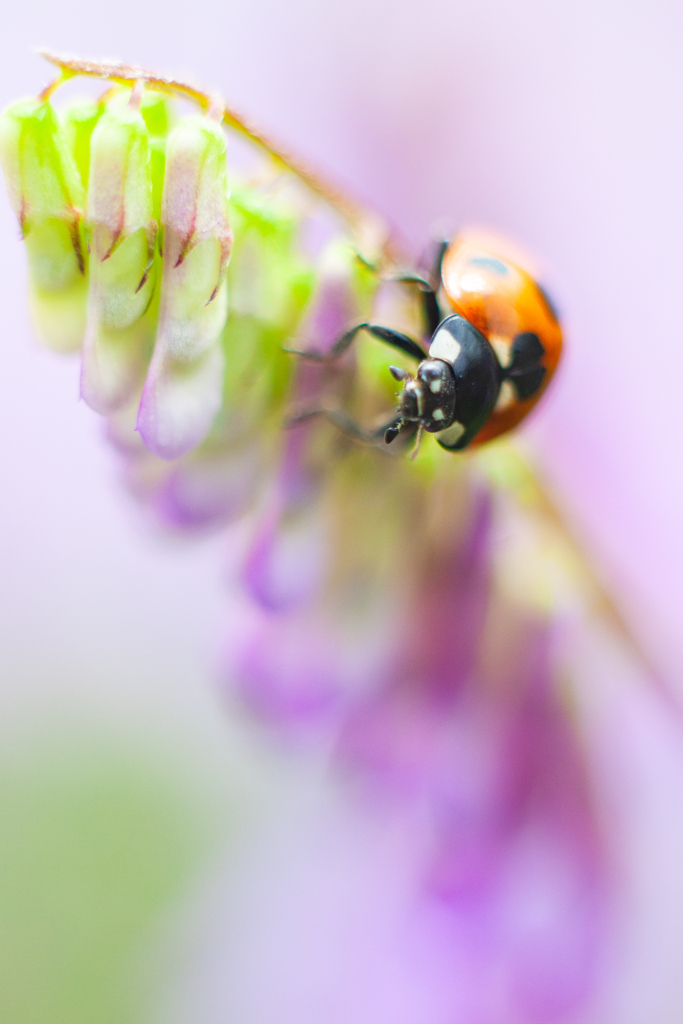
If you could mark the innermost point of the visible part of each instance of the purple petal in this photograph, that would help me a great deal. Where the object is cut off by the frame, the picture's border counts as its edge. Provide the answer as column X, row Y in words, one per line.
column 334, row 305
column 180, row 401
column 306, row 666
column 288, row 667
column 290, row 551
column 204, row 490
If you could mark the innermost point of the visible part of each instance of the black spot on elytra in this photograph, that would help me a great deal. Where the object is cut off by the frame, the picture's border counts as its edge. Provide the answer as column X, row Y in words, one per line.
column 525, row 372
column 527, row 384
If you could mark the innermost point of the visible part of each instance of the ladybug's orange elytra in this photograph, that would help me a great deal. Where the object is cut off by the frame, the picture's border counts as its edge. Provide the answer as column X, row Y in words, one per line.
column 502, row 301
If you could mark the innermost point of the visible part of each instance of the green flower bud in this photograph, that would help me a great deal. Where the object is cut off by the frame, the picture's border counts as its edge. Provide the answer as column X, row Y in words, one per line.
column 78, row 122
column 122, row 232
column 155, row 109
column 196, row 235
column 120, row 184
column 46, row 194
column 270, row 286
column 184, row 388
column 157, row 154
column 268, row 278
column 156, row 113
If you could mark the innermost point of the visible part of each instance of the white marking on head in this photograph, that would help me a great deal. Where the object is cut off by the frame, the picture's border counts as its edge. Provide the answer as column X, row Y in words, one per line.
column 451, row 434
column 438, row 414
column 445, row 346
column 506, row 397
column 435, row 385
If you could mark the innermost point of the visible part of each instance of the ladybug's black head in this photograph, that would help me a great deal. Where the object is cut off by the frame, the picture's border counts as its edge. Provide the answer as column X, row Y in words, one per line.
column 427, row 399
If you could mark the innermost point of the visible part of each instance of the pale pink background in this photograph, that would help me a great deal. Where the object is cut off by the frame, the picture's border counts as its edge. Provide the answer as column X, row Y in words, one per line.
column 557, row 123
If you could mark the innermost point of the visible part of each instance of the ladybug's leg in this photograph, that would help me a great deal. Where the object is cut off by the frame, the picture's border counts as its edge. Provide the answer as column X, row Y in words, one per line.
column 395, row 339
column 340, row 420
column 385, row 334
column 432, row 310
column 428, row 285
column 430, row 303
column 347, row 425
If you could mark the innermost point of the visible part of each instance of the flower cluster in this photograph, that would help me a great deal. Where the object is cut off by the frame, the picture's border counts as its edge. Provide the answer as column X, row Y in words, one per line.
column 371, row 604
column 100, row 194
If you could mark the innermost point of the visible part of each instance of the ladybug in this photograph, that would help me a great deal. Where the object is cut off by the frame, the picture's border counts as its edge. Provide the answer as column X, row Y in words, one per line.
column 490, row 358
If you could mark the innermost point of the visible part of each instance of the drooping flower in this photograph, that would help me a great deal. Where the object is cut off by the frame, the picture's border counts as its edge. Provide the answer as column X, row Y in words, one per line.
column 269, row 283
column 46, row 194
column 122, row 231
column 184, row 388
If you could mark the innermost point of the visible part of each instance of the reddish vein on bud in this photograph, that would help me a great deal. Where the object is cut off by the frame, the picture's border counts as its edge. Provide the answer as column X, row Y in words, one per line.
column 184, row 387
column 46, row 194
column 122, row 230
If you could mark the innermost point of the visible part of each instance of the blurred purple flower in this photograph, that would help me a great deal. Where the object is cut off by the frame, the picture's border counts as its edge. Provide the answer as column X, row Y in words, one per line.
column 478, row 750
column 291, row 544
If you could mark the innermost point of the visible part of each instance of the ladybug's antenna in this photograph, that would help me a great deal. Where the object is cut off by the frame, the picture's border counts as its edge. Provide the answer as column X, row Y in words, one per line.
column 398, row 374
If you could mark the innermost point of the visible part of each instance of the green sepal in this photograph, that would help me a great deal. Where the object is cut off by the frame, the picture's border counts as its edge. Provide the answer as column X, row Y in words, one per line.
column 120, row 200
column 155, row 109
column 78, row 121
column 41, row 177
column 122, row 231
column 46, row 194
column 197, row 238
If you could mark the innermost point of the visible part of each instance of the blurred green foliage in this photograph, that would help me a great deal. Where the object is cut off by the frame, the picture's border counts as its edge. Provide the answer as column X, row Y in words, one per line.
column 95, row 846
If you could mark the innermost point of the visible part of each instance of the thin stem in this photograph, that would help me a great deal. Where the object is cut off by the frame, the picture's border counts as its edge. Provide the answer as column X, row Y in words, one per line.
column 520, row 478
column 371, row 232
column 135, row 101
column 52, row 86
